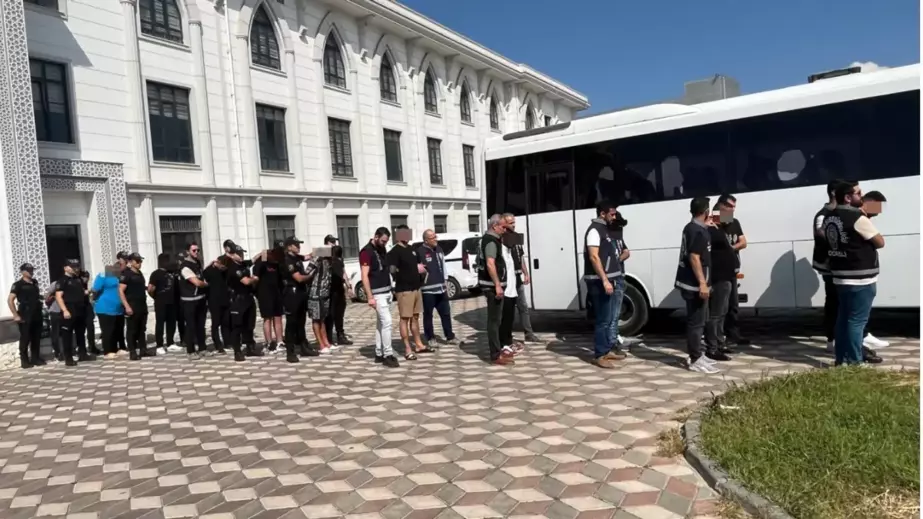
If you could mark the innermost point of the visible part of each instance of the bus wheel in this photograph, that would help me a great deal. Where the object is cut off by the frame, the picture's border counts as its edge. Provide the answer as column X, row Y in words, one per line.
column 359, row 292
column 634, row 312
column 453, row 289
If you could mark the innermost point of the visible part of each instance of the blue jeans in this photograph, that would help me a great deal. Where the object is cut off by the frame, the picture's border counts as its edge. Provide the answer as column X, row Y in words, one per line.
column 602, row 307
column 618, row 293
column 853, row 315
column 440, row 303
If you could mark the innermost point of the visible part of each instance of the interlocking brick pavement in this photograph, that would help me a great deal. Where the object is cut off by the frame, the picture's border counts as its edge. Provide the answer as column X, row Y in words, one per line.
column 338, row 436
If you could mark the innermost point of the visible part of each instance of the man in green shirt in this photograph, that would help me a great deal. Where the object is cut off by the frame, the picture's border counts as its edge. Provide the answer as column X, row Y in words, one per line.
column 492, row 276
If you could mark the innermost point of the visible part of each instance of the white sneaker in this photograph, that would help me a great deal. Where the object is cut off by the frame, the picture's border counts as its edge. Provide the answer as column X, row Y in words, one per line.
column 871, row 341
column 830, row 348
column 703, row 367
column 161, row 351
column 334, row 347
column 173, row 348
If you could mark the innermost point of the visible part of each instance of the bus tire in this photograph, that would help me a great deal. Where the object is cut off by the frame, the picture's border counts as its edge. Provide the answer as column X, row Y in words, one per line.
column 635, row 311
column 359, row 292
column 453, row 289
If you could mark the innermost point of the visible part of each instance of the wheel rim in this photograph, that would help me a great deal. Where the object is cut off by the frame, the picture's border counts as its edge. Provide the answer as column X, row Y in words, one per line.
column 451, row 290
column 627, row 312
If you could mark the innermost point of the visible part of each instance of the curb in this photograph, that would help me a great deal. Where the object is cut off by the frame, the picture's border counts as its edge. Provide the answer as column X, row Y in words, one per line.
column 754, row 504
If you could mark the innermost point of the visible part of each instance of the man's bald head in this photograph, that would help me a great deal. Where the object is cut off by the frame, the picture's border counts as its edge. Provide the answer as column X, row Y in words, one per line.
column 429, row 237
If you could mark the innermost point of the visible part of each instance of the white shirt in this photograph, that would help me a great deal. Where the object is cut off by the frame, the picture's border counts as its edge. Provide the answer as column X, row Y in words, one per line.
column 592, row 238
column 510, row 290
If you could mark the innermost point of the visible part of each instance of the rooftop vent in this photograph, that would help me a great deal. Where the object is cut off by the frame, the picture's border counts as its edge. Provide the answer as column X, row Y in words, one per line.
column 834, row 73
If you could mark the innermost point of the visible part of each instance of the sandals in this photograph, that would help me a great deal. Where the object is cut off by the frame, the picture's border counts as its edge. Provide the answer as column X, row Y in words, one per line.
column 426, row 350
column 410, row 356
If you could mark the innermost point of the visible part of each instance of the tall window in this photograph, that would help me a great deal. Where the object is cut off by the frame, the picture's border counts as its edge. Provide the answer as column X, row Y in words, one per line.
column 393, row 155
column 386, row 80
column 433, row 147
column 279, row 227
column 178, row 231
column 468, row 156
column 171, row 129
column 474, row 223
column 429, row 93
column 440, row 223
column 270, row 128
column 334, row 70
column 161, row 19
column 341, row 158
column 530, row 117
column 50, row 101
column 348, row 233
column 464, row 104
column 264, row 49
column 397, row 221
column 494, row 114
column 547, row 120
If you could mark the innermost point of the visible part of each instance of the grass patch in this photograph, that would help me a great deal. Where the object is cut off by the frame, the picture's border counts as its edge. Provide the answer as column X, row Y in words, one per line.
column 669, row 444
column 826, row 444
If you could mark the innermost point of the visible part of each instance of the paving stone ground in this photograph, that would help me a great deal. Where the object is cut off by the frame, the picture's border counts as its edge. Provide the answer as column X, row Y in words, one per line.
column 446, row 436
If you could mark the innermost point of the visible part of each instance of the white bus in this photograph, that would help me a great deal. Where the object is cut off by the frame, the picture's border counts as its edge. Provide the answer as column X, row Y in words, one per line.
column 775, row 151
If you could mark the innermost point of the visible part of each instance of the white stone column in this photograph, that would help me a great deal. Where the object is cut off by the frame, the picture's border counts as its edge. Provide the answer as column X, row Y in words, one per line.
column 258, row 223
column 136, row 117
column 245, row 112
column 146, row 232
column 386, row 215
column 203, row 116
column 358, row 137
column 301, row 220
column 323, row 160
column 331, row 218
column 293, row 121
column 364, row 225
column 212, row 238
column 512, row 116
column 380, row 170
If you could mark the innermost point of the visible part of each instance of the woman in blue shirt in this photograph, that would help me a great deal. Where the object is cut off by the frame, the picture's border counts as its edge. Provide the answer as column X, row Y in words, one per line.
column 108, row 307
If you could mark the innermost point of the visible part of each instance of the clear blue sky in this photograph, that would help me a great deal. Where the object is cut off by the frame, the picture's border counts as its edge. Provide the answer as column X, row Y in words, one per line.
column 628, row 52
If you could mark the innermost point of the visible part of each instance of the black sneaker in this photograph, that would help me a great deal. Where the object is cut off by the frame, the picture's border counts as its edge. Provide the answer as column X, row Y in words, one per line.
column 531, row 337
column 239, row 356
column 379, row 359
column 870, row 357
column 726, row 350
column 740, row 341
column 132, row 356
column 70, row 362
column 391, row 362
column 220, row 351
column 24, row 363
column 717, row 355
column 343, row 341
column 308, row 351
column 38, row 361
column 272, row 346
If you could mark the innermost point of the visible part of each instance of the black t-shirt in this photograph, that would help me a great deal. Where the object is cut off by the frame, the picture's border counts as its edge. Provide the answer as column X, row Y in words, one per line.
column 734, row 232
column 270, row 284
column 235, row 274
column 723, row 256
column 337, row 272
column 28, row 297
column 135, row 288
column 403, row 262
column 217, row 284
column 72, row 291
column 164, row 284
column 696, row 240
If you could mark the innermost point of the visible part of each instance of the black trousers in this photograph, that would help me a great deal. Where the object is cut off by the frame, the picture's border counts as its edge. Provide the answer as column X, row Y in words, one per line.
column 832, row 308
column 54, row 322
column 195, row 312
column 718, row 304
column 74, row 330
column 221, row 327
column 335, row 315
column 165, row 320
column 107, row 325
column 242, row 318
column 120, row 332
column 696, row 316
column 295, row 305
column 136, row 328
column 506, row 320
column 180, row 321
column 91, row 329
column 494, row 319
column 30, row 335
column 732, row 317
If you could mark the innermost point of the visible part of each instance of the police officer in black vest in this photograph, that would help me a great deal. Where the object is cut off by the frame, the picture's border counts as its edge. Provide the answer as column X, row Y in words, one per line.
column 492, row 279
column 294, row 301
column 821, row 263
column 192, row 294
column 602, row 268
column 853, row 243
column 25, row 303
column 241, row 286
column 70, row 295
column 133, row 292
column 435, row 296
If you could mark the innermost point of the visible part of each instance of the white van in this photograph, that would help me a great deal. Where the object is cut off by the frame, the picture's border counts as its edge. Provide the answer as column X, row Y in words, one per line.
column 460, row 251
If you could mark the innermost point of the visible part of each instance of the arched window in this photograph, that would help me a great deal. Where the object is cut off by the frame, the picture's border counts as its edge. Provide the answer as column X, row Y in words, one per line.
column 494, row 114
column 530, row 117
column 464, row 104
column 334, row 70
column 161, row 19
column 386, row 80
column 264, row 49
column 429, row 93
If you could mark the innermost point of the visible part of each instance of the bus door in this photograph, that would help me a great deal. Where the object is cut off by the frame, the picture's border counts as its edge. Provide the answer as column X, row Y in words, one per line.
column 550, row 237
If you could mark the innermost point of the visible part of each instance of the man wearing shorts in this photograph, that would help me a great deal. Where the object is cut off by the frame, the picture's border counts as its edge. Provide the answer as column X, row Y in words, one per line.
column 408, row 279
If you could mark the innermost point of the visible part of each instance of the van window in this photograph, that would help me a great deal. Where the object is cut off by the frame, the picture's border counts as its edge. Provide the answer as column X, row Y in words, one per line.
column 447, row 246
column 470, row 245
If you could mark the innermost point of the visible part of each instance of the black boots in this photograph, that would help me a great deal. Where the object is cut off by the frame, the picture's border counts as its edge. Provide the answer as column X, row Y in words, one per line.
column 239, row 355
column 290, row 353
column 254, row 351
column 341, row 340
column 305, row 350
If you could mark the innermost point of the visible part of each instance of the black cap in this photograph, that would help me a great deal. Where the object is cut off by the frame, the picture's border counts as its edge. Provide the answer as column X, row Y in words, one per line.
column 236, row 249
column 330, row 239
column 229, row 244
column 26, row 267
column 278, row 244
column 291, row 240
column 134, row 256
column 72, row 262
column 121, row 255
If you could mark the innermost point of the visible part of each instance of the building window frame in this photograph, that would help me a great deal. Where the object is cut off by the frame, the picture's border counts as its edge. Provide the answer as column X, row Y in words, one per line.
column 394, row 170
column 341, row 160
column 494, row 114
column 348, row 233
column 530, row 117
column 270, row 128
column 464, row 104
column 468, row 160
column 264, row 43
column 434, row 154
column 440, row 223
column 430, row 99
column 163, row 29
column 334, row 66
column 177, row 231
column 386, row 80
column 397, row 220
column 167, row 130
column 60, row 121
column 279, row 227
column 474, row 223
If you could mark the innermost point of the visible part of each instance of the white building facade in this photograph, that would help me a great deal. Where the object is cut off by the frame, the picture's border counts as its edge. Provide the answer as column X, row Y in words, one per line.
column 156, row 122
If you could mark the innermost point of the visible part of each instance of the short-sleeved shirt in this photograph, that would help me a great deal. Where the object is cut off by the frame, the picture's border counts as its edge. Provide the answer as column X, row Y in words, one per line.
column 618, row 240
column 734, row 233
column 28, row 297
column 72, row 291
column 270, row 284
column 866, row 229
column 696, row 240
column 491, row 250
column 134, row 286
column 292, row 265
column 237, row 272
column 164, row 284
column 724, row 261
column 403, row 262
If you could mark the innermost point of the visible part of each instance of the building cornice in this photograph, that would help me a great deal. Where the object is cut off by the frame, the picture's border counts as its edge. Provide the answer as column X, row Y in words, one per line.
column 146, row 189
column 417, row 23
